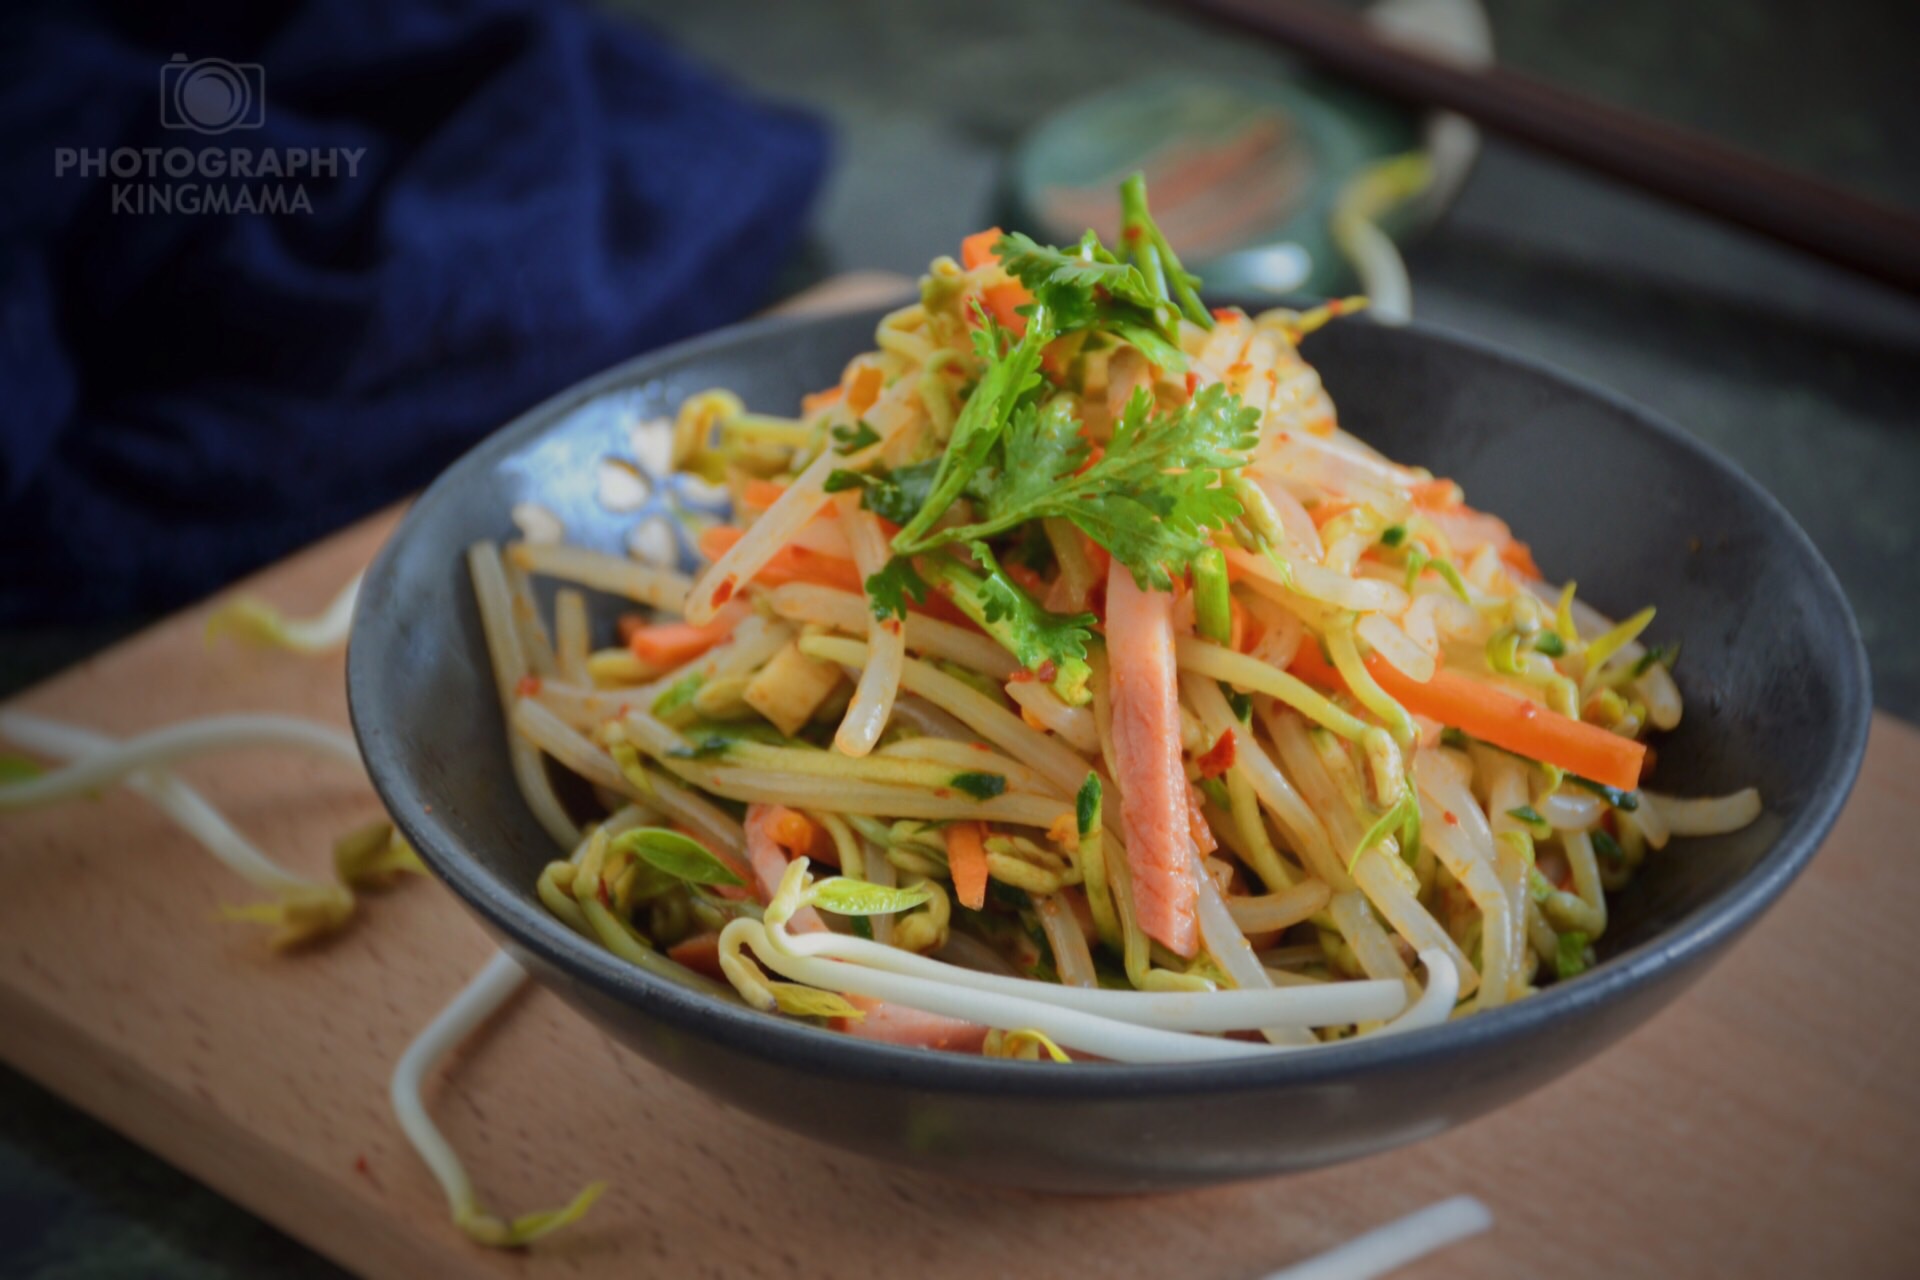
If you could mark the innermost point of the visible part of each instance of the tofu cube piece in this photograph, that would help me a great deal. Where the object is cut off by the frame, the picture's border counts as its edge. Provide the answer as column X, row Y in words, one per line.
column 790, row 688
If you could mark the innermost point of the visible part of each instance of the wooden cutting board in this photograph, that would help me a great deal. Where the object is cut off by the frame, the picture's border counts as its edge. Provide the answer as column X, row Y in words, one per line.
column 1767, row 1124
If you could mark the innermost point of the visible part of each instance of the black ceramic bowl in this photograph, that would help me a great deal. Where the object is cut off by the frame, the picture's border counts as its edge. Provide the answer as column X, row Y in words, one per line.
column 1774, row 677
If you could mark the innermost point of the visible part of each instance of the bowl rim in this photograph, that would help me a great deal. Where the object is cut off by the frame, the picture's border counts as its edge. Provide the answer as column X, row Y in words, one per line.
column 515, row 917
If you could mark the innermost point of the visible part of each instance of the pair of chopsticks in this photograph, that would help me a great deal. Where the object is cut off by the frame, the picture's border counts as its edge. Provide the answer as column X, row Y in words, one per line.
column 1851, row 231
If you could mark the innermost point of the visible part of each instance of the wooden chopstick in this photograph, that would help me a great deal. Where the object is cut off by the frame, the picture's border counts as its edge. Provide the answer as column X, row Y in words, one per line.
column 1852, row 231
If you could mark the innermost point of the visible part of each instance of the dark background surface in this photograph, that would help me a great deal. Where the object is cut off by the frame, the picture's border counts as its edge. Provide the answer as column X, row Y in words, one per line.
column 1809, row 378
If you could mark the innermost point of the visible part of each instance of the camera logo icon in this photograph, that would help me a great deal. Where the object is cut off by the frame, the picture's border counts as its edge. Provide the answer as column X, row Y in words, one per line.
column 212, row 95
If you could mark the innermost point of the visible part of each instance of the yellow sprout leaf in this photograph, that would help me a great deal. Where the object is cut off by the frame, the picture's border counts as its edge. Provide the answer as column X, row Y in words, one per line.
column 627, row 758
column 371, row 856
column 808, row 1002
column 1025, row 1044
column 253, row 620
column 300, row 916
column 483, row 1228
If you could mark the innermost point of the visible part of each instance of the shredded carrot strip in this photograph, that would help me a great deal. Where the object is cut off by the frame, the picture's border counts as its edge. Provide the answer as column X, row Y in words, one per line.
column 967, row 861
column 1494, row 715
column 801, row 836
column 789, row 564
column 977, row 249
column 1437, row 495
column 1518, row 556
column 1243, row 632
column 864, row 390
column 1003, row 302
column 818, row 400
column 670, row 644
column 762, row 494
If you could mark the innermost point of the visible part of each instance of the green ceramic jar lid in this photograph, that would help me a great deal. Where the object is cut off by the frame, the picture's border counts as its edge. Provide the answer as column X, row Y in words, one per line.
column 1244, row 174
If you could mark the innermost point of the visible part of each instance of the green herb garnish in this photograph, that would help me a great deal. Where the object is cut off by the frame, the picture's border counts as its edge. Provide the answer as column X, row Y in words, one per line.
column 1051, row 645
column 981, row 786
column 1626, row 800
column 1607, row 847
column 854, row 438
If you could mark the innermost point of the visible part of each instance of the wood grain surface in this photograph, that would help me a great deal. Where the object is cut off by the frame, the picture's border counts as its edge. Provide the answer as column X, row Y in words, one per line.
column 1766, row 1125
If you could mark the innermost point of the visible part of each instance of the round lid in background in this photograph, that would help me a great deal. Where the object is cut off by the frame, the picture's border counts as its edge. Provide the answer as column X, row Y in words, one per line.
column 1248, row 176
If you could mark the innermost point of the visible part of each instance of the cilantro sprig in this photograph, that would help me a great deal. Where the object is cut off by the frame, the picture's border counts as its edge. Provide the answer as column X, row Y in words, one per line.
column 1152, row 498
column 1009, row 377
column 1051, row 645
column 895, row 494
column 1089, row 288
column 1148, row 247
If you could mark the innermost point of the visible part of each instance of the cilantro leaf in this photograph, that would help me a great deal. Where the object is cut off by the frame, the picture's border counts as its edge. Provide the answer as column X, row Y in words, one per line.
column 854, row 438
column 1040, row 447
column 1051, row 645
column 895, row 495
column 1088, row 288
column 981, row 786
column 1157, row 493
column 889, row 589
column 1607, row 847
column 1075, row 282
column 1152, row 499
column 707, row 748
column 1008, row 376
column 1086, row 805
column 1627, row 800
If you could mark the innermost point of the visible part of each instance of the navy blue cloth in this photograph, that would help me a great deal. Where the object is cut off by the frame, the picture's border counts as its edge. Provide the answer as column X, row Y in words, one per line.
column 541, row 191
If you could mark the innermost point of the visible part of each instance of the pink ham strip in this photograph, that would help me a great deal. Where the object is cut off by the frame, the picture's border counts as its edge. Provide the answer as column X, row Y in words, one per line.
column 898, row 1024
column 1146, row 742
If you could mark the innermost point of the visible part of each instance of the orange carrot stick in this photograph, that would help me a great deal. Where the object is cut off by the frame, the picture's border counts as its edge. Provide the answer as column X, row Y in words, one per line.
column 977, row 249
column 669, row 644
column 1003, row 301
column 789, row 564
column 1436, row 495
column 1518, row 556
column 1493, row 715
column 821, row 399
column 800, row 835
column 761, row 494
column 967, row 860
column 864, row 389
